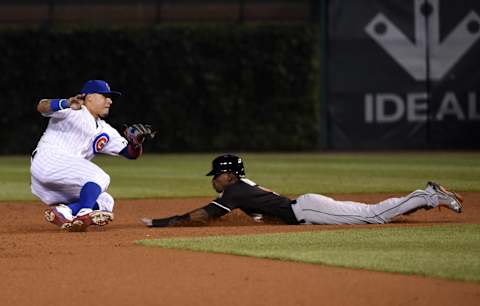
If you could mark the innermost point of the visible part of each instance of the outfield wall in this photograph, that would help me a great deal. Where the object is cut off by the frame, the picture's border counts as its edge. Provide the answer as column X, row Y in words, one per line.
column 150, row 12
column 205, row 88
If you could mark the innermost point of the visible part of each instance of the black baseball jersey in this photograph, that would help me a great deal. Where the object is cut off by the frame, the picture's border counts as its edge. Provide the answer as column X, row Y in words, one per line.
column 254, row 199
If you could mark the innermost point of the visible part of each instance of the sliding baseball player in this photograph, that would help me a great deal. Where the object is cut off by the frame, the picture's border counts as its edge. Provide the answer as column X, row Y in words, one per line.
column 238, row 192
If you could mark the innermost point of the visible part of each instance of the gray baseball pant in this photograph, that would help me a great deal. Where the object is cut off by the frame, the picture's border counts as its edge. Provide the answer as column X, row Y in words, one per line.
column 318, row 209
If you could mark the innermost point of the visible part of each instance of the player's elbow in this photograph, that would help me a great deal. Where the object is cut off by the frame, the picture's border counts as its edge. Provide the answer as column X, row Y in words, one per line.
column 43, row 106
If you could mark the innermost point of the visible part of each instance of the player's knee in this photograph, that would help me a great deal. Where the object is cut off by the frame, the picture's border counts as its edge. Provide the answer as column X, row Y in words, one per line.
column 103, row 180
column 107, row 181
column 105, row 202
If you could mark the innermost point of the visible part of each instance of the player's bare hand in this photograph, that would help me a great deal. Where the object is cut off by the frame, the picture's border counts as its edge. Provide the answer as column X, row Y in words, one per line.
column 77, row 101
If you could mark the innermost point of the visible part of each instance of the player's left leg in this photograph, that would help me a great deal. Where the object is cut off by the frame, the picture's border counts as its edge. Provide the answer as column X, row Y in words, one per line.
column 434, row 195
column 318, row 209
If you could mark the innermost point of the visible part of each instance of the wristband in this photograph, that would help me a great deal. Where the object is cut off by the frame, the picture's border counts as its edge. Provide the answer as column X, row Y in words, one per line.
column 58, row 104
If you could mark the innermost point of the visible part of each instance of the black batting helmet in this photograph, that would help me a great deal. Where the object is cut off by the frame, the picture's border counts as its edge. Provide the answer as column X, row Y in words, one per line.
column 227, row 163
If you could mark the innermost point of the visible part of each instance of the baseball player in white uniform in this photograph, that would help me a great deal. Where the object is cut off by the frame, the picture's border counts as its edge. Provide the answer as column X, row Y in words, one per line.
column 238, row 192
column 62, row 175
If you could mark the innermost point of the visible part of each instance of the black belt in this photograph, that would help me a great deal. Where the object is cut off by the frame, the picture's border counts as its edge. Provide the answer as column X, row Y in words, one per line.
column 34, row 153
column 293, row 202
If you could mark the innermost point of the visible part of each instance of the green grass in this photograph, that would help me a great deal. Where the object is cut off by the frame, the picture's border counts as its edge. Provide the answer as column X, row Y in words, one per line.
column 183, row 175
column 451, row 252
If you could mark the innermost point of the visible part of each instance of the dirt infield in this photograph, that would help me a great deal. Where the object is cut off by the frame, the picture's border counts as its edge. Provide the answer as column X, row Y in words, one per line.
column 42, row 266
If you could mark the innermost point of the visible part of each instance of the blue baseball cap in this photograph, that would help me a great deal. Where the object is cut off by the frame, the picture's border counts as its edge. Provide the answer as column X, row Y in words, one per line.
column 98, row 86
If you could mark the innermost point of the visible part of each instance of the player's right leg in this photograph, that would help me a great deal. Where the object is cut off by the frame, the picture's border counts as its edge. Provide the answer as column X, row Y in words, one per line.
column 101, row 216
column 87, row 217
column 57, row 213
column 434, row 195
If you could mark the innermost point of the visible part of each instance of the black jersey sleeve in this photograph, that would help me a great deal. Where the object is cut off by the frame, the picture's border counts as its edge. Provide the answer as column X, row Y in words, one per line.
column 214, row 211
column 222, row 204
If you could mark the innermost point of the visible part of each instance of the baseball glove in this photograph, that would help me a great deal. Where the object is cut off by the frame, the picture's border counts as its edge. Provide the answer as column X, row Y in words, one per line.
column 137, row 133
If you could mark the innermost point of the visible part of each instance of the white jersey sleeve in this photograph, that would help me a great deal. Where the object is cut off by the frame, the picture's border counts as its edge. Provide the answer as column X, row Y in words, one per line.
column 59, row 114
column 115, row 142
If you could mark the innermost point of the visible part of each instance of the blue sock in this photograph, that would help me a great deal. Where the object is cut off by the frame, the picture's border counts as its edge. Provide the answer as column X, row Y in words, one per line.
column 88, row 197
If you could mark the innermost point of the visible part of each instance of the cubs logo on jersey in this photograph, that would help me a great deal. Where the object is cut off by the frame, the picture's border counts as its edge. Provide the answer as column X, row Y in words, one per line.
column 100, row 142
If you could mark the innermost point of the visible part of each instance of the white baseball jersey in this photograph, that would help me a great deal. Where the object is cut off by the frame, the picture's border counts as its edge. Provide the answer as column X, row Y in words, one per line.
column 61, row 164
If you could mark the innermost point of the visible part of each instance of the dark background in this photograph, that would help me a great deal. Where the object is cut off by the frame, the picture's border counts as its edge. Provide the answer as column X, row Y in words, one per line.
column 227, row 75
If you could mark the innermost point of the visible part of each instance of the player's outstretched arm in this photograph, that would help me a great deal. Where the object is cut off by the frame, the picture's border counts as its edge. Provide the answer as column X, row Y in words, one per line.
column 196, row 217
column 46, row 106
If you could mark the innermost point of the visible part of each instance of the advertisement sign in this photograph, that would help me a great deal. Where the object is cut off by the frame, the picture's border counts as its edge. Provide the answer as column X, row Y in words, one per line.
column 404, row 74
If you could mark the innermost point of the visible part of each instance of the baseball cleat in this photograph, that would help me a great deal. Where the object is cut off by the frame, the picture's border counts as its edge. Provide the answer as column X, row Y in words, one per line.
column 446, row 198
column 96, row 217
column 59, row 215
column 82, row 220
column 101, row 218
